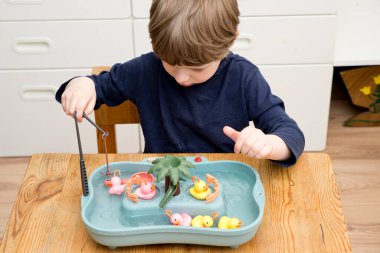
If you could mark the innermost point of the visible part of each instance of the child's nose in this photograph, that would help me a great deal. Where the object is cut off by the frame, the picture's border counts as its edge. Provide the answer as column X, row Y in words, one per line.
column 181, row 77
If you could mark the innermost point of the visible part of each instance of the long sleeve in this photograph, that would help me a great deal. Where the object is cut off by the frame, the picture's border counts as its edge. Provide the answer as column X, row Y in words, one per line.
column 115, row 86
column 267, row 111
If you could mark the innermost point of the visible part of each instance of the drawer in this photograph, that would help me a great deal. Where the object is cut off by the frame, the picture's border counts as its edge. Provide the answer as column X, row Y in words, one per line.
column 140, row 8
column 274, row 40
column 33, row 122
column 288, row 7
column 64, row 44
column 306, row 91
column 63, row 10
column 284, row 40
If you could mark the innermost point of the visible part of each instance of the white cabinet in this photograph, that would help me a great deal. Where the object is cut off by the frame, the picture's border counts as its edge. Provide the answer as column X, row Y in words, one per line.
column 292, row 46
column 357, row 40
column 44, row 43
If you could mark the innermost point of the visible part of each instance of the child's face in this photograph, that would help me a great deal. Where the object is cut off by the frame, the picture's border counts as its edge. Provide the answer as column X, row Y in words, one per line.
column 189, row 75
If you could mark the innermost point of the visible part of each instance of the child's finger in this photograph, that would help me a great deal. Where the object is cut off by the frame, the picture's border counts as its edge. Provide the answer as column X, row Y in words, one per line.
column 90, row 106
column 66, row 103
column 72, row 106
column 63, row 102
column 266, row 151
column 231, row 133
column 241, row 139
column 263, row 152
column 258, row 149
column 249, row 141
column 81, row 104
column 79, row 115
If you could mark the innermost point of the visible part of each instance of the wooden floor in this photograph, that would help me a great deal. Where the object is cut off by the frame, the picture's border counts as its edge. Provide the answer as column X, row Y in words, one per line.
column 355, row 154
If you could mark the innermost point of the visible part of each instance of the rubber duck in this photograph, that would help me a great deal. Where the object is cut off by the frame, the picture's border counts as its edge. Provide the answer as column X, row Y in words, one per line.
column 147, row 190
column 179, row 219
column 200, row 190
column 229, row 223
column 204, row 221
column 116, row 187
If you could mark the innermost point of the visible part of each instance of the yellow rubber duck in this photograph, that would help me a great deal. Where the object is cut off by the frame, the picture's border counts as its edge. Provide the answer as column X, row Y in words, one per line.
column 200, row 189
column 204, row 221
column 229, row 223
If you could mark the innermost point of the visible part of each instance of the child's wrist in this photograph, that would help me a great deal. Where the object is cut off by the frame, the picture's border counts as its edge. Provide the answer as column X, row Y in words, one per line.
column 79, row 79
column 280, row 151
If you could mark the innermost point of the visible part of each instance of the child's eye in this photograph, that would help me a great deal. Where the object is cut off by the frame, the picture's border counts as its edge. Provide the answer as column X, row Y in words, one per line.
column 197, row 69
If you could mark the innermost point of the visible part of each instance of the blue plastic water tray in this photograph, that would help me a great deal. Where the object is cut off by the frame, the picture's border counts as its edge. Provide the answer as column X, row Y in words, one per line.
column 115, row 221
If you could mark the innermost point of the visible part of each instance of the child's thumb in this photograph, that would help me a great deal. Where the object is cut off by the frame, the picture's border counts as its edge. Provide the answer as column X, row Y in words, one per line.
column 231, row 133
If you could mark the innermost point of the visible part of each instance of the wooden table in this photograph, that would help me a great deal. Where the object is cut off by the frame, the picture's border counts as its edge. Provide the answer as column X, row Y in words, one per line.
column 302, row 213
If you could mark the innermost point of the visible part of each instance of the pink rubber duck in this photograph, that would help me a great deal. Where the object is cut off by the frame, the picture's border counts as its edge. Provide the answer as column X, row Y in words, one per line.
column 179, row 219
column 116, row 184
column 147, row 190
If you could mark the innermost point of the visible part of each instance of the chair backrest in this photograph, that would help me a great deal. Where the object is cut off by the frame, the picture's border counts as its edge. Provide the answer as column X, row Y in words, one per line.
column 107, row 117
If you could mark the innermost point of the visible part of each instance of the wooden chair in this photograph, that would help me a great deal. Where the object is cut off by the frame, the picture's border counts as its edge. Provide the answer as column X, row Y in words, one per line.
column 107, row 117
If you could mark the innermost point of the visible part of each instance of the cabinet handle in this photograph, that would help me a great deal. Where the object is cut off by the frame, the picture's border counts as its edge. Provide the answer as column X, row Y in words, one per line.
column 33, row 45
column 38, row 92
column 243, row 42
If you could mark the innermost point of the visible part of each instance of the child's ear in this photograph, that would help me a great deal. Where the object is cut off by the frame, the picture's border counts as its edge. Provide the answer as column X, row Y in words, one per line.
column 237, row 34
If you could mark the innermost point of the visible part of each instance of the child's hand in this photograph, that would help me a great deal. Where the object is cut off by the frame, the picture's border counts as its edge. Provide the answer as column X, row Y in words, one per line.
column 79, row 96
column 254, row 143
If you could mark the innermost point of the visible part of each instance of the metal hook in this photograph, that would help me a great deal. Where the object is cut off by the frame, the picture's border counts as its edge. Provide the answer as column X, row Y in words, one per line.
column 104, row 136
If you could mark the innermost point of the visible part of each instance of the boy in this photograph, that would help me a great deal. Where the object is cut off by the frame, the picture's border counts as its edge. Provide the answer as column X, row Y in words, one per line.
column 193, row 95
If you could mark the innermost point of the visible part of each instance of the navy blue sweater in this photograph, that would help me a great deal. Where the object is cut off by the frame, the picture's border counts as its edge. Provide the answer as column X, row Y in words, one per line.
column 177, row 119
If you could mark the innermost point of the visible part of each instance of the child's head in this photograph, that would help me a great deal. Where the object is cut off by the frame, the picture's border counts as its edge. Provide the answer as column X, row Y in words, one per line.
column 193, row 32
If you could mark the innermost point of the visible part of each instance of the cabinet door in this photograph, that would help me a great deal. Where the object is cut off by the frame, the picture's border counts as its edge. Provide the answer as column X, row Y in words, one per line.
column 32, row 121
column 357, row 38
column 306, row 91
column 140, row 8
column 64, row 44
column 275, row 40
column 63, row 10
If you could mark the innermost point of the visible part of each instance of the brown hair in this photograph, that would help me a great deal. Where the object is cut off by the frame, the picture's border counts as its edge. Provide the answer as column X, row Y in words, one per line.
column 193, row 32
